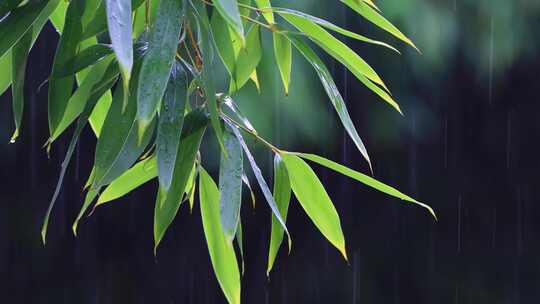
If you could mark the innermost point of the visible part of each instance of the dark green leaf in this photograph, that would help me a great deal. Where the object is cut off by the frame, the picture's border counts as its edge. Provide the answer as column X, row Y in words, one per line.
column 83, row 59
column 167, row 203
column 332, row 91
column 229, row 10
column 19, row 55
column 90, row 196
column 170, row 124
column 157, row 63
column 282, row 194
column 223, row 39
column 8, row 5
column 240, row 243
column 230, row 184
column 221, row 251
column 314, row 200
column 5, row 78
column 365, row 179
column 98, row 23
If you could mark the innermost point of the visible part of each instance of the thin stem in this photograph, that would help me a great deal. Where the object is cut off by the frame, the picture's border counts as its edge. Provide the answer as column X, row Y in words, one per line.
column 272, row 147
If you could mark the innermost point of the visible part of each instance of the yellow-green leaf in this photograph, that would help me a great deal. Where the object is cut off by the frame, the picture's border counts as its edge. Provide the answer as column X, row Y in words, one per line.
column 283, row 54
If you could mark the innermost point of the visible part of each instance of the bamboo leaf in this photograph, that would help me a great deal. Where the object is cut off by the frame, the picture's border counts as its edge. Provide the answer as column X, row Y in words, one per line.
column 314, row 200
column 89, row 198
column 8, row 5
column 85, row 58
column 240, row 243
column 229, row 10
column 365, row 179
column 260, row 180
column 248, row 59
column 139, row 174
column 5, row 78
column 168, row 202
column 374, row 17
column 19, row 21
column 170, row 124
column 267, row 13
column 19, row 55
column 230, row 184
column 332, row 92
column 282, row 194
column 335, row 48
column 221, row 251
column 158, row 62
column 283, row 54
column 246, row 182
column 60, row 88
column 98, row 22
column 223, row 40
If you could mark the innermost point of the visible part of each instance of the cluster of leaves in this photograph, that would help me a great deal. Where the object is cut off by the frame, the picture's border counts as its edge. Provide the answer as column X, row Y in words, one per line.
column 159, row 58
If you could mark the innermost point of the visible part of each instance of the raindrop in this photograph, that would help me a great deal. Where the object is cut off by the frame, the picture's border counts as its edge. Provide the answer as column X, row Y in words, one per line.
column 12, row 141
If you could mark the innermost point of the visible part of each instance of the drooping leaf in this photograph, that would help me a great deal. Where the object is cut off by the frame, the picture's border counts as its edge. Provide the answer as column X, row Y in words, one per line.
column 5, row 78
column 332, row 92
column 247, row 59
column 170, row 124
column 374, row 17
column 139, row 174
column 19, row 56
column 240, row 243
column 19, row 21
column 230, row 184
column 282, row 194
column 118, row 147
column 158, row 62
column 365, row 179
column 60, row 88
column 333, row 27
column 314, row 200
column 99, row 75
column 168, row 202
column 90, row 196
column 119, row 25
column 334, row 47
column 283, row 54
column 246, row 182
column 223, row 40
column 267, row 14
column 233, row 107
column 229, row 10
column 221, row 251
column 8, row 5
column 83, row 59
column 260, row 180
column 98, row 22
column 192, row 184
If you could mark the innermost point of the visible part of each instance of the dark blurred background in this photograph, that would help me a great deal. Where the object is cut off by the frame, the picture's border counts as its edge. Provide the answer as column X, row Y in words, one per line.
column 467, row 145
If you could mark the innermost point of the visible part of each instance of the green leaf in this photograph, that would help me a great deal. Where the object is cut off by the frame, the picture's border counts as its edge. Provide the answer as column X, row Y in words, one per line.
column 282, row 194
column 19, row 21
column 283, row 54
column 5, row 78
column 229, row 10
column 8, row 5
column 158, row 62
column 90, row 196
column 206, row 46
column 118, row 146
column 267, row 14
column 133, row 178
column 230, row 184
column 60, row 88
column 374, row 17
column 81, row 123
column 240, row 243
column 314, row 200
column 98, row 22
column 119, row 25
column 260, row 180
column 335, row 48
column 19, row 55
column 167, row 203
column 85, row 58
column 170, row 124
column 248, row 59
column 365, row 179
column 223, row 40
column 332, row 92
column 221, row 251
column 245, row 180
column 333, row 27
column 97, row 77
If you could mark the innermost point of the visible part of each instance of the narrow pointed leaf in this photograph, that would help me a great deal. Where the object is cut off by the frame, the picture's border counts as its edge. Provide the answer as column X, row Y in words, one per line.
column 223, row 40
column 240, row 243
column 167, row 203
column 133, row 178
column 230, row 184
column 365, row 179
column 374, row 17
column 246, row 182
column 8, row 5
column 282, row 194
column 60, row 88
column 335, row 48
column 89, row 198
column 83, row 59
column 260, row 180
column 18, row 72
column 283, row 54
column 158, row 62
column 267, row 14
column 332, row 92
column 98, row 22
column 170, row 124
column 314, row 200
column 229, row 10
column 221, row 251
column 5, row 78
column 248, row 59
